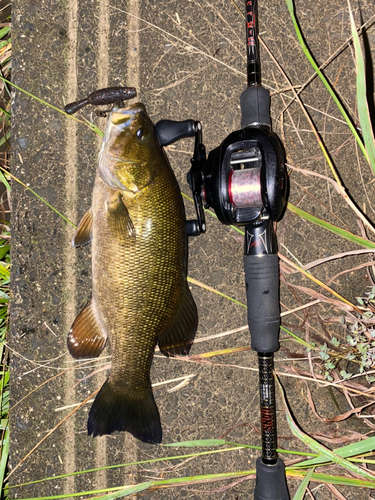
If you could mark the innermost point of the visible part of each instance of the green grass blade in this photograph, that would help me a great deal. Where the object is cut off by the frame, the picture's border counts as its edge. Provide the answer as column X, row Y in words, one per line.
column 91, row 126
column 5, row 138
column 319, row 448
column 111, row 491
column 296, row 339
column 300, row 493
column 329, row 479
column 311, row 60
column 4, row 271
column 4, row 111
column 363, row 110
column 350, row 450
column 4, row 31
column 182, row 481
column 332, row 228
column 125, row 491
column 4, row 460
column 128, row 490
column 153, row 460
column 210, row 289
column 221, row 442
column 38, row 196
column 4, row 181
column 198, row 442
column 4, row 249
column 4, row 43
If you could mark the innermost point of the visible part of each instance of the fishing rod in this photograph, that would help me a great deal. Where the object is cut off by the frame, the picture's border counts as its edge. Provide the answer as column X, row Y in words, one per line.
column 245, row 182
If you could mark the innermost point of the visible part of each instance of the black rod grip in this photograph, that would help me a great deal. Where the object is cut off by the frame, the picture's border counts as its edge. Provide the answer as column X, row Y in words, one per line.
column 255, row 107
column 263, row 309
column 271, row 481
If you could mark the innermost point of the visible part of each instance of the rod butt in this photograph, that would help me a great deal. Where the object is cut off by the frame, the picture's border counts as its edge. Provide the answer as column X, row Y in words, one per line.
column 271, row 481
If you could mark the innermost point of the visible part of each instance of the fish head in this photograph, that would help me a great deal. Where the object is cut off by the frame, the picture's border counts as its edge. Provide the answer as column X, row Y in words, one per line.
column 129, row 149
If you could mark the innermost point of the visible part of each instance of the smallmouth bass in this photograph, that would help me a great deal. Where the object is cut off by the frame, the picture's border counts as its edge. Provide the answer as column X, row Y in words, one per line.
column 140, row 295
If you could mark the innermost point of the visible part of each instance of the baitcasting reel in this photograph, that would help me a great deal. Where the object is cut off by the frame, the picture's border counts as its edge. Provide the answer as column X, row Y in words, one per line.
column 243, row 179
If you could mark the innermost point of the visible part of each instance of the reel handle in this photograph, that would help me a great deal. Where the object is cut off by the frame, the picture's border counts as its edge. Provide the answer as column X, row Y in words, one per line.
column 170, row 131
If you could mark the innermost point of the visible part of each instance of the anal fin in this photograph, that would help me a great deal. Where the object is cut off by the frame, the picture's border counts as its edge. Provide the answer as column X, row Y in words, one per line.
column 83, row 235
column 179, row 337
column 85, row 338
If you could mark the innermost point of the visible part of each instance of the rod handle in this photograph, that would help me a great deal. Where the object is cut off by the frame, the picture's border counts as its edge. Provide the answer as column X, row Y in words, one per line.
column 271, row 481
column 263, row 309
column 255, row 107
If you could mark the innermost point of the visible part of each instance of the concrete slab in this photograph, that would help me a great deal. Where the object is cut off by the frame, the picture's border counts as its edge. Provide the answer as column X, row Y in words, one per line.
column 187, row 61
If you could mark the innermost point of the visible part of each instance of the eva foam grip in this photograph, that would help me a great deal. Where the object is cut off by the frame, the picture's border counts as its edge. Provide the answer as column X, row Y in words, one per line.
column 255, row 107
column 263, row 308
column 270, row 481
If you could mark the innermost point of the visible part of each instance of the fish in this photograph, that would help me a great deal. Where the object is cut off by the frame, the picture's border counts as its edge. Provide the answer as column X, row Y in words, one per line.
column 140, row 295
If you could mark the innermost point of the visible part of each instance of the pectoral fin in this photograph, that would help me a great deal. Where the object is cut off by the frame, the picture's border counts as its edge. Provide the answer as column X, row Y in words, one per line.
column 119, row 218
column 178, row 339
column 83, row 234
column 85, row 338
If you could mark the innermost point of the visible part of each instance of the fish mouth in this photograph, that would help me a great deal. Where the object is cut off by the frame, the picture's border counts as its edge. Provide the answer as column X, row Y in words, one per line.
column 123, row 117
column 137, row 106
column 120, row 119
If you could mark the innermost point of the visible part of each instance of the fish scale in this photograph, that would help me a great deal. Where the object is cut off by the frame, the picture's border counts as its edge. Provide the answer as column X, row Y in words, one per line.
column 140, row 295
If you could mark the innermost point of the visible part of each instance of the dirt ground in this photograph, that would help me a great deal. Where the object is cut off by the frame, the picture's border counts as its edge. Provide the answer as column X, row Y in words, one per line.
column 187, row 60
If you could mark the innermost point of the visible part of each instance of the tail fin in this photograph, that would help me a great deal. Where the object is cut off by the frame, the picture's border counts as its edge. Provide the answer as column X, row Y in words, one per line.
column 114, row 410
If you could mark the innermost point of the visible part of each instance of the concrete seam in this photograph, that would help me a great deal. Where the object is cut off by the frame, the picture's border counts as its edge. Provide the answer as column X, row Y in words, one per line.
column 133, row 45
column 70, row 261
column 103, row 71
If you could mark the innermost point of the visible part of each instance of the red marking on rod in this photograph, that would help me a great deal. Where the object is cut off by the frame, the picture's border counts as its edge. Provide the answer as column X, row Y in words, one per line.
column 266, row 419
column 256, row 243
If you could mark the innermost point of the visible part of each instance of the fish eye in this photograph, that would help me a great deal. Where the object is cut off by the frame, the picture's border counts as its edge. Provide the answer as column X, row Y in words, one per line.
column 140, row 133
